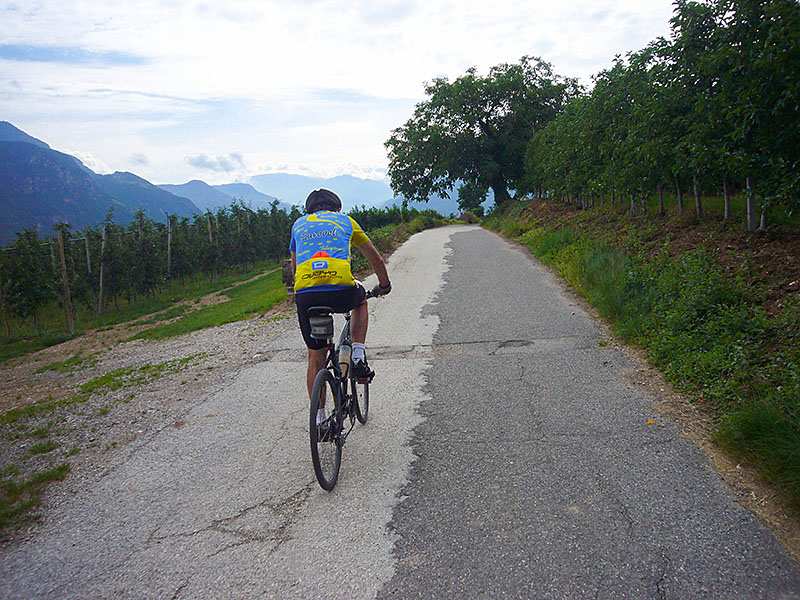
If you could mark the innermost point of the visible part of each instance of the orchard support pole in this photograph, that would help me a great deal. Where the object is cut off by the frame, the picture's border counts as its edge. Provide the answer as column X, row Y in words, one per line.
column 100, row 294
column 65, row 282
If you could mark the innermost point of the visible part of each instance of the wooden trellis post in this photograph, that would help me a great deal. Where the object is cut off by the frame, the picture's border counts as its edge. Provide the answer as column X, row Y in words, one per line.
column 169, row 247
column 102, row 268
column 65, row 281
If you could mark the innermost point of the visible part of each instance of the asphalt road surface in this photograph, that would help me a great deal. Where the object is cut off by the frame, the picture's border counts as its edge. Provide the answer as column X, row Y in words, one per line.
column 506, row 455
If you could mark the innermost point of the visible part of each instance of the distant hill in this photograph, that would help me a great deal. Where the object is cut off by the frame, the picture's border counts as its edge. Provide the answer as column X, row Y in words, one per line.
column 444, row 206
column 204, row 196
column 40, row 187
column 134, row 192
column 251, row 196
column 294, row 189
column 9, row 133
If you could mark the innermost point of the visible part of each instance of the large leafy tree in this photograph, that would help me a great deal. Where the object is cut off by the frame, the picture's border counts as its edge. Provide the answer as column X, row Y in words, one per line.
column 475, row 129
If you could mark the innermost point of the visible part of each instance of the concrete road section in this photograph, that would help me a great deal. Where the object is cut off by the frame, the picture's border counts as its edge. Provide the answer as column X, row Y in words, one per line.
column 538, row 475
column 227, row 506
column 506, row 455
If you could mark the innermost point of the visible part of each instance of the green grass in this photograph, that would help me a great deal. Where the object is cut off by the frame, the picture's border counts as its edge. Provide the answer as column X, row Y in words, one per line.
column 18, row 498
column 245, row 301
column 108, row 382
column 51, row 329
column 705, row 330
column 32, row 343
column 71, row 364
column 43, row 447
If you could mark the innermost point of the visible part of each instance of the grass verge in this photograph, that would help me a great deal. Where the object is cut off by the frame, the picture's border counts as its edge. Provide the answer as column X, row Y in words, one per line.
column 714, row 331
column 19, row 498
column 28, row 339
column 247, row 299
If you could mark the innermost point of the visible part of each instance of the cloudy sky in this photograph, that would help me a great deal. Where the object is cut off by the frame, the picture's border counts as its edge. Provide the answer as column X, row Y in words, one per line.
column 175, row 90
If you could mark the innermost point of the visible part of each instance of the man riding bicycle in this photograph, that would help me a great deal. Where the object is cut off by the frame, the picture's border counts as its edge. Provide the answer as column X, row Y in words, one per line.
column 320, row 249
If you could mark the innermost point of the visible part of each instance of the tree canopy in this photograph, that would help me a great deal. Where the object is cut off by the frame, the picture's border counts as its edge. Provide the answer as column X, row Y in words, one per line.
column 715, row 105
column 475, row 130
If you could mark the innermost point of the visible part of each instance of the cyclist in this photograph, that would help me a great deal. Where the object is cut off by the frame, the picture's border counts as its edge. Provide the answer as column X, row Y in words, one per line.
column 320, row 249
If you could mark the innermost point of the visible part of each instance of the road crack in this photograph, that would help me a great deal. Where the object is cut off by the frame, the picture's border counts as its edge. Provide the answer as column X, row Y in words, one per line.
column 284, row 513
column 608, row 492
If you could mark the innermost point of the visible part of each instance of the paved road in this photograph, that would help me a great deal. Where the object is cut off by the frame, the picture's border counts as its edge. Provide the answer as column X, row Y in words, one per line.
column 506, row 456
column 538, row 475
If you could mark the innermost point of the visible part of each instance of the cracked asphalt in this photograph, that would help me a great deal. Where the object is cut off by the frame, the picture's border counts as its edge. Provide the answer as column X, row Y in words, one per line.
column 507, row 455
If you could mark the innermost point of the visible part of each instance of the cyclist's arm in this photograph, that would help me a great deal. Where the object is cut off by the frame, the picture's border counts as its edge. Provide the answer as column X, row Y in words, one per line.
column 294, row 263
column 376, row 262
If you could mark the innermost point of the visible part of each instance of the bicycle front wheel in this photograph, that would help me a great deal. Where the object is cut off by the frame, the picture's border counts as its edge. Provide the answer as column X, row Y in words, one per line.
column 361, row 398
column 326, row 446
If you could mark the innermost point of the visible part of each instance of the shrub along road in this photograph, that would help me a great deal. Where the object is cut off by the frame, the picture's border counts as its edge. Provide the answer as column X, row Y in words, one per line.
column 540, row 470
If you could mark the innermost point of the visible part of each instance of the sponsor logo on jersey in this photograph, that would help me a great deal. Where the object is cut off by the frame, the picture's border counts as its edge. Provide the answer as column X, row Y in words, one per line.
column 319, row 264
column 320, row 275
column 319, row 234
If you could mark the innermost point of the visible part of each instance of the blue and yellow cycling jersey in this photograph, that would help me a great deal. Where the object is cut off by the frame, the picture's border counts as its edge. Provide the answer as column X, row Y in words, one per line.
column 322, row 243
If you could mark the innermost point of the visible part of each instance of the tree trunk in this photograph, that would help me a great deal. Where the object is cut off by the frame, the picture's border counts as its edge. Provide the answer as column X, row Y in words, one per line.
column 752, row 217
column 661, row 211
column 679, row 190
column 644, row 204
column 501, row 195
column 4, row 310
column 698, row 205
column 763, row 225
column 633, row 205
column 727, row 193
column 602, row 198
column 613, row 197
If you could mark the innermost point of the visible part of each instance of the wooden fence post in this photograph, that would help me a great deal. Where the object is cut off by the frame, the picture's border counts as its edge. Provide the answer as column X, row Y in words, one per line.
column 169, row 247
column 86, row 244
column 65, row 281
column 727, row 193
column 752, row 215
column 102, row 269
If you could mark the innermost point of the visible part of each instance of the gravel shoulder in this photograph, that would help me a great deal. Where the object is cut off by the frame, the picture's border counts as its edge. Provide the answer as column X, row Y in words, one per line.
column 158, row 382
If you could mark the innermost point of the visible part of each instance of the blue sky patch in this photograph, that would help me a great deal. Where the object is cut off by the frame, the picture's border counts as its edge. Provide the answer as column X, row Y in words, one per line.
column 68, row 55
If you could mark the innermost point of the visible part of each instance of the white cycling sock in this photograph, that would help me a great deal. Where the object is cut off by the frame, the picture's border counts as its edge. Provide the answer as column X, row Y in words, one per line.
column 359, row 352
column 321, row 416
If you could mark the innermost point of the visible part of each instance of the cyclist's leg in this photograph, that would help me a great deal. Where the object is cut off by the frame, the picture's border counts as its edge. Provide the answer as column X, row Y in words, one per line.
column 316, row 360
column 359, row 320
column 317, row 350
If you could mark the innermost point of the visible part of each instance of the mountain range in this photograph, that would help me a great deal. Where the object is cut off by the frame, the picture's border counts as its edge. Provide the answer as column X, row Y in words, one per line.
column 40, row 187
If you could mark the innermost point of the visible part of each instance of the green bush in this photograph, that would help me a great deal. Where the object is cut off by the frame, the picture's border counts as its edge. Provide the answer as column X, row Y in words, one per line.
column 707, row 332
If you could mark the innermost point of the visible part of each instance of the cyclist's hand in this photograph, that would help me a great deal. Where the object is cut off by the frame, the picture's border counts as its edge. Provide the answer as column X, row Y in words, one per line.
column 382, row 291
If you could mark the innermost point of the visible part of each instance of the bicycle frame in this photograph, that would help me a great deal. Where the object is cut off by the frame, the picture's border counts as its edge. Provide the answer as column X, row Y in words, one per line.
column 343, row 382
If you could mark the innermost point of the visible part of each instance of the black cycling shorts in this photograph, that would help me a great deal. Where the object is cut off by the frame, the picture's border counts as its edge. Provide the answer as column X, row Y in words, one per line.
column 340, row 301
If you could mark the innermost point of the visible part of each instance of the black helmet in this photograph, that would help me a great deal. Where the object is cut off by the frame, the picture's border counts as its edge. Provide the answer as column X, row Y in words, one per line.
column 322, row 200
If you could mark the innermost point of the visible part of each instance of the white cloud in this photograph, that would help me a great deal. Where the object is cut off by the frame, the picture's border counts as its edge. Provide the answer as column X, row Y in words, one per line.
column 247, row 74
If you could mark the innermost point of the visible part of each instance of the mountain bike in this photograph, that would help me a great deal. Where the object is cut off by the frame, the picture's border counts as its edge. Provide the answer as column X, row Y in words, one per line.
column 336, row 382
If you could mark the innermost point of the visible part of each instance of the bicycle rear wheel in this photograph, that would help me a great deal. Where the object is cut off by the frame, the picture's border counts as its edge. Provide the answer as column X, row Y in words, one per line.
column 326, row 445
column 361, row 398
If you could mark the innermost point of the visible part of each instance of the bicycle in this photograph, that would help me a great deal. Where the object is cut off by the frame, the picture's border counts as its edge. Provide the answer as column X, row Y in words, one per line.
column 334, row 380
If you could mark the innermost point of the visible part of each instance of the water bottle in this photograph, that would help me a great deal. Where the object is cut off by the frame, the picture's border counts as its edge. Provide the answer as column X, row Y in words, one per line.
column 345, row 351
